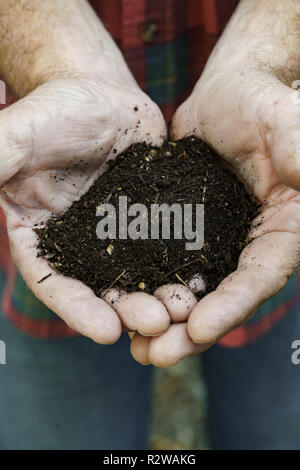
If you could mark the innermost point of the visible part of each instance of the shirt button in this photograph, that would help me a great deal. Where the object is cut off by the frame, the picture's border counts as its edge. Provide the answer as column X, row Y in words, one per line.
column 149, row 32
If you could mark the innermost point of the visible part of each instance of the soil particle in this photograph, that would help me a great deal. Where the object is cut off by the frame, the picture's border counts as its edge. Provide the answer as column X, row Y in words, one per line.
column 185, row 172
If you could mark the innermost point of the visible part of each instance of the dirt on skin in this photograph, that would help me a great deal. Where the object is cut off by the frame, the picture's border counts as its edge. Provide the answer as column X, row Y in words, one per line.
column 184, row 172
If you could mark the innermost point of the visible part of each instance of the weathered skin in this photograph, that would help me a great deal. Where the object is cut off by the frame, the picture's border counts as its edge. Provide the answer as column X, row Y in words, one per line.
column 79, row 108
column 244, row 106
column 58, row 124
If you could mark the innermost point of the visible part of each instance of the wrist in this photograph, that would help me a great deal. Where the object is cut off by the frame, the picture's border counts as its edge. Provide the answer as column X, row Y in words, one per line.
column 42, row 41
column 262, row 34
column 77, row 63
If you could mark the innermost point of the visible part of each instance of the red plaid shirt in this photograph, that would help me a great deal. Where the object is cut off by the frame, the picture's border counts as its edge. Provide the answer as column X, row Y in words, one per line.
column 166, row 44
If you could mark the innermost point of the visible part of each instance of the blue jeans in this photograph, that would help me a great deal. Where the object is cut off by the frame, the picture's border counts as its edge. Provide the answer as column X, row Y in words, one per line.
column 74, row 394
column 254, row 391
column 71, row 394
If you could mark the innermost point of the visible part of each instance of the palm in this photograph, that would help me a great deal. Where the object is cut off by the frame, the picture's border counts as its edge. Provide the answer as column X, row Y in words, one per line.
column 249, row 118
column 242, row 120
column 74, row 127
column 66, row 130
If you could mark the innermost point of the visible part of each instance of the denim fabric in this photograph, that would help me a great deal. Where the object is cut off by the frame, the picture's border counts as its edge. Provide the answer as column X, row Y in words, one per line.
column 71, row 394
column 254, row 391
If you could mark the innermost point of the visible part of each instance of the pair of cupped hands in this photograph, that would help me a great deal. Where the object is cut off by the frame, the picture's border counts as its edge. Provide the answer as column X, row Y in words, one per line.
column 246, row 114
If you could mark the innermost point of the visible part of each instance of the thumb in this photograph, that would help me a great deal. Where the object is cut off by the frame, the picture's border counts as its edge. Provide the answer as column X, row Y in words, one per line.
column 284, row 138
column 15, row 139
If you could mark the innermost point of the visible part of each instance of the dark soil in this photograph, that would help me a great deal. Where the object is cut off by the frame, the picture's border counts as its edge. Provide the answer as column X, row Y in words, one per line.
column 186, row 172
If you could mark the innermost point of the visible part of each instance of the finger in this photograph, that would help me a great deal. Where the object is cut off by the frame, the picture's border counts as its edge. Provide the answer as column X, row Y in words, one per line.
column 139, row 311
column 70, row 299
column 264, row 267
column 178, row 300
column 197, row 284
column 277, row 117
column 169, row 348
column 139, row 348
